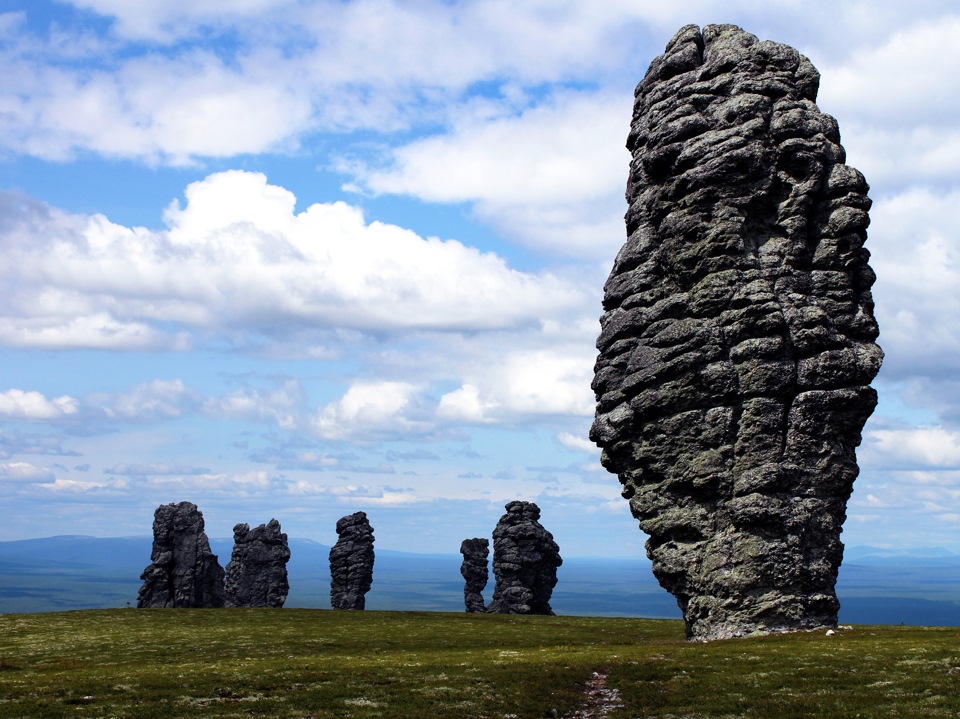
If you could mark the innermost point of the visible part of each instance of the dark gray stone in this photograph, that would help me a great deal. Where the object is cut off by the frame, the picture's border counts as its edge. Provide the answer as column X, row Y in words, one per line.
column 525, row 561
column 184, row 572
column 476, row 553
column 351, row 562
column 257, row 572
column 738, row 339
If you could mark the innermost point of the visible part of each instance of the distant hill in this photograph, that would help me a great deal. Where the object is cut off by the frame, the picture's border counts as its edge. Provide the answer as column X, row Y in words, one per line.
column 876, row 586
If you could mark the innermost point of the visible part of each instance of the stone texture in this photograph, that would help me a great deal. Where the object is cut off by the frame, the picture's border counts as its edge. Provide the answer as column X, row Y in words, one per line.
column 351, row 562
column 184, row 572
column 738, row 338
column 475, row 573
column 257, row 572
column 525, row 561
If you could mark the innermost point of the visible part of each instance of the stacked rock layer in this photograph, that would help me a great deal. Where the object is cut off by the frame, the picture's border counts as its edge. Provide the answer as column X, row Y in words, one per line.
column 476, row 553
column 525, row 561
column 257, row 573
column 351, row 562
column 738, row 338
column 183, row 571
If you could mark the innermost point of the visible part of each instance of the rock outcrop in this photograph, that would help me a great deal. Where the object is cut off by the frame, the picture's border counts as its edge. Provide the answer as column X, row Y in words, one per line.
column 351, row 562
column 184, row 572
column 738, row 340
column 476, row 553
column 257, row 573
column 525, row 561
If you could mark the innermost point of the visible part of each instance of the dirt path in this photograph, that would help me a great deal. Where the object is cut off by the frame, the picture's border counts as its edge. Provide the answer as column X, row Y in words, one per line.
column 599, row 700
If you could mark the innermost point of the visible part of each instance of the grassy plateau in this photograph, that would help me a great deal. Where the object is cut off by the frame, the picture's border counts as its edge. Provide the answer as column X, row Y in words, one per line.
column 168, row 664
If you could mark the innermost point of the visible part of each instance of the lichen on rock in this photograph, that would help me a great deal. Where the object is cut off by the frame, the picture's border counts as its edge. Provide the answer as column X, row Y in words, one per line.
column 738, row 338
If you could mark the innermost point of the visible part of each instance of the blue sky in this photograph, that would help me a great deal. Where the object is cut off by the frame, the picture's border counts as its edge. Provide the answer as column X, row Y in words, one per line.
column 298, row 259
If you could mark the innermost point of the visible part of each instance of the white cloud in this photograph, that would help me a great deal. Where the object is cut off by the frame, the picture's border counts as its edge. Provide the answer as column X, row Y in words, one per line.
column 252, row 481
column 216, row 80
column 20, row 404
column 373, row 409
column 151, row 401
column 906, row 80
column 916, row 256
column 97, row 330
column 169, row 110
column 523, row 384
column 237, row 261
column 282, row 405
column 260, row 74
column 165, row 20
column 552, row 176
column 897, row 104
column 464, row 405
column 920, row 447
column 560, row 151
column 578, row 443
column 74, row 486
column 24, row 473
column 903, row 500
column 356, row 495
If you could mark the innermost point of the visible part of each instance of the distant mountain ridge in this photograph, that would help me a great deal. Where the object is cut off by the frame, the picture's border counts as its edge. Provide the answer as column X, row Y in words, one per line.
column 876, row 585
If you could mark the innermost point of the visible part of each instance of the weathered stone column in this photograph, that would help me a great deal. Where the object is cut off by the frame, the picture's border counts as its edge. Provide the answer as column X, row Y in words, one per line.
column 351, row 562
column 257, row 573
column 525, row 561
column 738, row 338
column 475, row 572
column 184, row 572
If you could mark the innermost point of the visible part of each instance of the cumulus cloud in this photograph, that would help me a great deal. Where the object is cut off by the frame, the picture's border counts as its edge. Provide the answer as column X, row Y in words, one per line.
column 914, row 447
column 238, row 261
column 374, row 409
column 282, row 405
column 915, row 255
column 264, row 75
column 244, row 482
column 24, row 473
column 281, row 69
column 362, row 495
column 896, row 105
column 578, row 443
column 552, row 175
column 522, row 384
column 20, row 404
column 152, row 401
column 168, row 20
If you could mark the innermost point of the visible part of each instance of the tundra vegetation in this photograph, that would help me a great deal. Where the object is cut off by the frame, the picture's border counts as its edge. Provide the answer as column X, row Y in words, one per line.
column 153, row 664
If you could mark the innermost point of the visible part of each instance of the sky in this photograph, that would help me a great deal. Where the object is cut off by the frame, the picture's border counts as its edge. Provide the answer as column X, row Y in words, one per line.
column 299, row 259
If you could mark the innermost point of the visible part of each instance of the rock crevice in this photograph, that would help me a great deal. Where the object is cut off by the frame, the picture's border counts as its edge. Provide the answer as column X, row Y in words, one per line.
column 738, row 341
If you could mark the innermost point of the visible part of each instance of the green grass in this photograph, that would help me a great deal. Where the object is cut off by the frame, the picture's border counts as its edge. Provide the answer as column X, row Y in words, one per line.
column 168, row 664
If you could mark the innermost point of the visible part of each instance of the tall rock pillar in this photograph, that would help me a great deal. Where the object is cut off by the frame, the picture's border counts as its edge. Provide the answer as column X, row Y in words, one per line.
column 257, row 573
column 738, row 338
column 183, row 571
column 351, row 562
column 525, row 561
column 474, row 571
